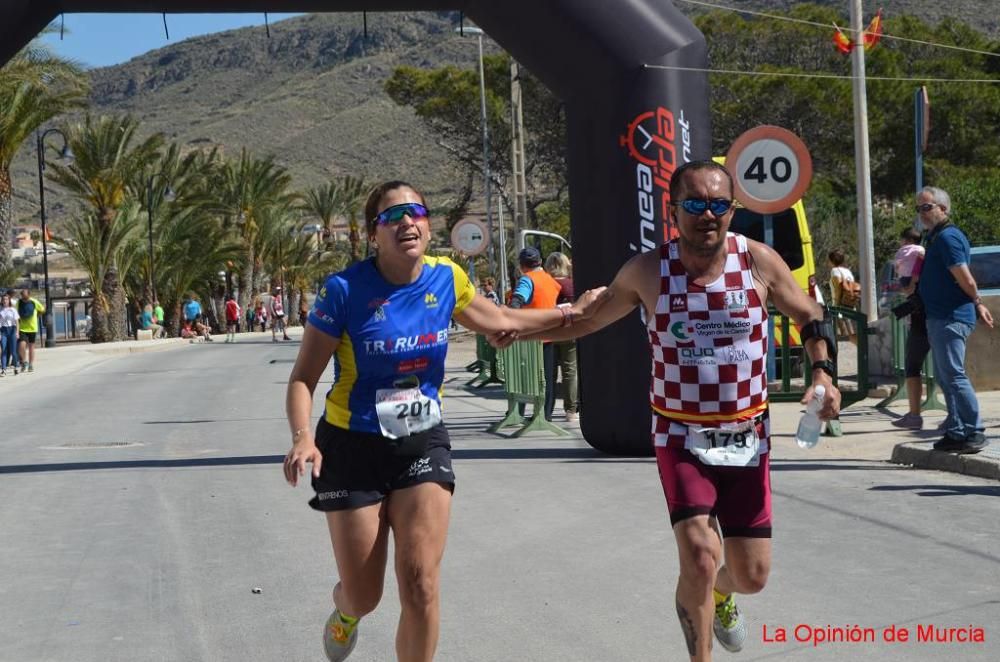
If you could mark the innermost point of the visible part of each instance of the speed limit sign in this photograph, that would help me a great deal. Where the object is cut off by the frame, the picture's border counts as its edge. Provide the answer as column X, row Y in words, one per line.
column 771, row 169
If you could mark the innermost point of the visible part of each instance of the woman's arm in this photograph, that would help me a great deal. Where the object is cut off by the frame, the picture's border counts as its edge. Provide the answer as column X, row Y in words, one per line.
column 314, row 355
column 482, row 316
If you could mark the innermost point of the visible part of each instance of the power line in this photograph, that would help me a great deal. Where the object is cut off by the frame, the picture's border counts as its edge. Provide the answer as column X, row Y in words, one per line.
column 786, row 74
column 826, row 26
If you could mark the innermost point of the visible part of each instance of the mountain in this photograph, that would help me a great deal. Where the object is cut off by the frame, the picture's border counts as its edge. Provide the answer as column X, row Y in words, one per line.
column 311, row 94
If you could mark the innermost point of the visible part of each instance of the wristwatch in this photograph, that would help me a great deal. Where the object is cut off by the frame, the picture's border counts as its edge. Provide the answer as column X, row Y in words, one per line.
column 827, row 366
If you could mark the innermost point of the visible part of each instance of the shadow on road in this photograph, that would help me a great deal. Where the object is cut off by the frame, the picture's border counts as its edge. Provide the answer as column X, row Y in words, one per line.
column 941, row 490
column 142, row 464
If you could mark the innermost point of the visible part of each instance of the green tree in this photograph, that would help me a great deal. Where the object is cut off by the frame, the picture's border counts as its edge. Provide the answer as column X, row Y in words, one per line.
column 448, row 101
column 108, row 154
column 244, row 191
column 35, row 87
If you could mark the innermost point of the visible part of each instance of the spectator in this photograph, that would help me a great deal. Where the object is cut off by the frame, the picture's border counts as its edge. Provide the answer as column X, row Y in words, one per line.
column 559, row 267
column 147, row 321
column 261, row 314
column 277, row 313
column 909, row 259
column 843, row 291
column 8, row 334
column 303, row 311
column 909, row 262
column 952, row 305
column 232, row 318
column 251, row 317
column 537, row 289
column 192, row 309
column 490, row 291
column 158, row 316
column 28, row 309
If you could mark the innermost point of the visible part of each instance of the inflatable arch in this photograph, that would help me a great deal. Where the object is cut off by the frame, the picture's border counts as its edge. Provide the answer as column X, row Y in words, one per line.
column 629, row 127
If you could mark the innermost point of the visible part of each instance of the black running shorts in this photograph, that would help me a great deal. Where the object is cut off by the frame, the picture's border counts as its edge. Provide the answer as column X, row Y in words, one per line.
column 360, row 468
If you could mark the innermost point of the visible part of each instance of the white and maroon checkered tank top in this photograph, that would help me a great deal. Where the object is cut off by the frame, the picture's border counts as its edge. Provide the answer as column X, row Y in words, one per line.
column 709, row 342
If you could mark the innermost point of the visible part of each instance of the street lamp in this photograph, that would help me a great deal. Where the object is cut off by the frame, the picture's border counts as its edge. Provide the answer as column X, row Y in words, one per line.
column 486, row 136
column 66, row 156
column 169, row 196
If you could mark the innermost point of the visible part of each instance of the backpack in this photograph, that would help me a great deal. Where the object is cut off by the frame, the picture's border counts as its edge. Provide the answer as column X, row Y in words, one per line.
column 850, row 293
column 25, row 309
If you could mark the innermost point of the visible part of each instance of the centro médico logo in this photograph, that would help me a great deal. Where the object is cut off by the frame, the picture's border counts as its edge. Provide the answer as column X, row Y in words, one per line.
column 406, row 343
column 651, row 140
column 430, row 300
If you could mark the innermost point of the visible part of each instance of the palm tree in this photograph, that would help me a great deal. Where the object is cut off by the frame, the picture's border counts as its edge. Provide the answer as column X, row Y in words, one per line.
column 244, row 191
column 35, row 87
column 353, row 192
column 108, row 155
column 324, row 203
column 100, row 248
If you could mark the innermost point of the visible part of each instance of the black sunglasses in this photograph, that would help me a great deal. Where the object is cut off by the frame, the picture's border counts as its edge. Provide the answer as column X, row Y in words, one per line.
column 927, row 206
column 698, row 206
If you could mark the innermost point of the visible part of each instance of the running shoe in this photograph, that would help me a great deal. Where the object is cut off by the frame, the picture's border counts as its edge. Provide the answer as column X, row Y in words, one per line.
column 909, row 421
column 730, row 627
column 31, row 367
column 337, row 641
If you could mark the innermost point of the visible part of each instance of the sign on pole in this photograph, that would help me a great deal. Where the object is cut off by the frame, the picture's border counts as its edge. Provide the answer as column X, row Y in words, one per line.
column 469, row 237
column 771, row 169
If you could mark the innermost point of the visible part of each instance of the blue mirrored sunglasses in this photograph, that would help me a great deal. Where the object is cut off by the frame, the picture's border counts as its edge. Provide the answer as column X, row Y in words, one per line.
column 395, row 213
column 698, row 206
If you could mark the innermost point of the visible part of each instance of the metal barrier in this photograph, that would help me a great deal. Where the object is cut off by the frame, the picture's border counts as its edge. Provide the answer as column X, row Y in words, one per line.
column 900, row 333
column 524, row 380
column 801, row 366
column 485, row 364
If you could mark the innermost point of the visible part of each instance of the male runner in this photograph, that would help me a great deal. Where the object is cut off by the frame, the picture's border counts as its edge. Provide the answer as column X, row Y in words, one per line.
column 704, row 298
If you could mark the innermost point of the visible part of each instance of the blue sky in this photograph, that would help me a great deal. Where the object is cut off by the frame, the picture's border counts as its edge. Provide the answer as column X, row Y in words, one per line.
column 99, row 40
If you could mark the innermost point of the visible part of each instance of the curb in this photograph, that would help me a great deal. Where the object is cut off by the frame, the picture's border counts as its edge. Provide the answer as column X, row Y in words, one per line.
column 921, row 457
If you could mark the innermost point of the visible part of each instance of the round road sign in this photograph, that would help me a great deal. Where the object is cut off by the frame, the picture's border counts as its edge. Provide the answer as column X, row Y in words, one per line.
column 469, row 237
column 771, row 169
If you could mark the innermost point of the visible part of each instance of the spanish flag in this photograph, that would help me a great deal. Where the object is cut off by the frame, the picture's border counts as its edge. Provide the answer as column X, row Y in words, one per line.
column 842, row 41
column 874, row 32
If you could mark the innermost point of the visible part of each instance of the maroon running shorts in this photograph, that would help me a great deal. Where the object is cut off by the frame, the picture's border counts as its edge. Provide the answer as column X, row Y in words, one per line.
column 740, row 497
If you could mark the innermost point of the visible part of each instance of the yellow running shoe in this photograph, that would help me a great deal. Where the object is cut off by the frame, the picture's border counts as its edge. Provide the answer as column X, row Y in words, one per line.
column 339, row 638
column 730, row 627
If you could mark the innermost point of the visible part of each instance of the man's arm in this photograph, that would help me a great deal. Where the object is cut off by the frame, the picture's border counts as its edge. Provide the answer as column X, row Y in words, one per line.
column 523, row 291
column 622, row 297
column 967, row 282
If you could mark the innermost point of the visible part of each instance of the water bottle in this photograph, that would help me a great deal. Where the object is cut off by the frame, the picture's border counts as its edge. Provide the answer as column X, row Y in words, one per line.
column 810, row 426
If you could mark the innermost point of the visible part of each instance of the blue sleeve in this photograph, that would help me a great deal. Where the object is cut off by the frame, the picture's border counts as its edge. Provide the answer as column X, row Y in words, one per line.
column 957, row 248
column 525, row 289
column 329, row 311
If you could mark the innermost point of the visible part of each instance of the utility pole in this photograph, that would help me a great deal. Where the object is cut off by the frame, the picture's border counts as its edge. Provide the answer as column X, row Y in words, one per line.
column 517, row 149
column 866, row 244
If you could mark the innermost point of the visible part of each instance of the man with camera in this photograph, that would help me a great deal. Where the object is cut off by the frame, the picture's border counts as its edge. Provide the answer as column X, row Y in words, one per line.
column 952, row 306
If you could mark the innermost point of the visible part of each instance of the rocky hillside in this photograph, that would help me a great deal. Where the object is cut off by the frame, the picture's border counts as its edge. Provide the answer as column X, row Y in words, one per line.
column 312, row 95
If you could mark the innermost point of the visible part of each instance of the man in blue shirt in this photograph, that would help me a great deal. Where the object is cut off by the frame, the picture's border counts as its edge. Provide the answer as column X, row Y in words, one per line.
column 952, row 304
column 192, row 309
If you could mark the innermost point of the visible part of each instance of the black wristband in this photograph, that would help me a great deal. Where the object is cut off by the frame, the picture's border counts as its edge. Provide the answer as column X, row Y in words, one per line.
column 821, row 329
column 827, row 366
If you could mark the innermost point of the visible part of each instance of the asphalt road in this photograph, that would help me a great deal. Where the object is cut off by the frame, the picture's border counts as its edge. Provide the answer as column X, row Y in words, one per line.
column 141, row 502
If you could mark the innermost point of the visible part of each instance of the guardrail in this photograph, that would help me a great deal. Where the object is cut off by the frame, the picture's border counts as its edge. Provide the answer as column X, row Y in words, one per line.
column 900, row 333
column 485, row 364
column 796, row 369
column 523, row 372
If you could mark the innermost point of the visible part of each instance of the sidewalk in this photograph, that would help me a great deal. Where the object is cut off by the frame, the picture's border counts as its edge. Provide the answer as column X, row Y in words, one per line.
column 867, row 433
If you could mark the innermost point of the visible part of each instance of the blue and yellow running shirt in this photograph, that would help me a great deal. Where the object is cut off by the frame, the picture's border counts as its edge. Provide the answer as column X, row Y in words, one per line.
column 392, row 337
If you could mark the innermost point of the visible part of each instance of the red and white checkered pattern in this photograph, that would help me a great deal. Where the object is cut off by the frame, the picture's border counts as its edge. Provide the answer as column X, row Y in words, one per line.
column 709, row 343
